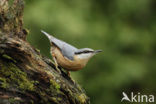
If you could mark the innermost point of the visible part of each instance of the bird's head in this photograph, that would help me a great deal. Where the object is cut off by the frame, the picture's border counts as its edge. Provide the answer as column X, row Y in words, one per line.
column 86, row 53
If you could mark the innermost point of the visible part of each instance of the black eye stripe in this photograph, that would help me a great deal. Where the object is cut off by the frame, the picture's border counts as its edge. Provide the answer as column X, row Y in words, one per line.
column 83, row 52
column 87, row 51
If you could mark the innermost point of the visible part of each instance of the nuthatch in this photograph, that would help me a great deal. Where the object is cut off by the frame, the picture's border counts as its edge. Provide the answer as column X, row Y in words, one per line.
column 68, row 56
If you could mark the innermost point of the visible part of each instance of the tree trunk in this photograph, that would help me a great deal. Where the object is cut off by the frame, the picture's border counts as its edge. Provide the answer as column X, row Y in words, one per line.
column 26, row 77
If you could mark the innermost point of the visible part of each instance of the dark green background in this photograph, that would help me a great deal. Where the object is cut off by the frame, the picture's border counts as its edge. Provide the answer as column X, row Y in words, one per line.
column 124, row 29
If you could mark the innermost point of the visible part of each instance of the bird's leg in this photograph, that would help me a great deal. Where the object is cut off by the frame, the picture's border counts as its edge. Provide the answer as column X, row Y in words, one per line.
column 56, row 65
column 68, row 73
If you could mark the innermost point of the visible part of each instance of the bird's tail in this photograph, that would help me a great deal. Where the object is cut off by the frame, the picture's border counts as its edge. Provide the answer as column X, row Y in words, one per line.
column 50, row 37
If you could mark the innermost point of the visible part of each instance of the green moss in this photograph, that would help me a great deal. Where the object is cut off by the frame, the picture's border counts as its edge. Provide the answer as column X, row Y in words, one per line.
column 14, row 101
column 3, row 83
column 38, row 50
column 8, row 57
column 54, row 85
column 56, row 99
column 12, row 76
column 82, row 98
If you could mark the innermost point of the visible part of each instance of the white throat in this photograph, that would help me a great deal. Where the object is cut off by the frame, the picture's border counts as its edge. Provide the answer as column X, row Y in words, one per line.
column 85, row 56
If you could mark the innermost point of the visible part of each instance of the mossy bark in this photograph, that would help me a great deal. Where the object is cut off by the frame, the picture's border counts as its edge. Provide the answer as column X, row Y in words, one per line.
column 26, row 77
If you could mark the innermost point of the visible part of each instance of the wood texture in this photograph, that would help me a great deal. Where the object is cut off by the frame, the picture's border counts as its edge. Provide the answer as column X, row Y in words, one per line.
column 26, row 77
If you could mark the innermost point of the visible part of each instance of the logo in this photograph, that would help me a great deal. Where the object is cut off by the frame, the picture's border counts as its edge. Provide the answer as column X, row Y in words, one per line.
column 137, row 98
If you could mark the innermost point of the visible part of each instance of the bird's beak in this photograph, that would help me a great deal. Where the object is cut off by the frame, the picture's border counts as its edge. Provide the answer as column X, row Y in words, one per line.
column 97, row 51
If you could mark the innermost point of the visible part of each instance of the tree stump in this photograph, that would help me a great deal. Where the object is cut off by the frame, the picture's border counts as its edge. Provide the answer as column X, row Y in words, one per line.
column 27, row 77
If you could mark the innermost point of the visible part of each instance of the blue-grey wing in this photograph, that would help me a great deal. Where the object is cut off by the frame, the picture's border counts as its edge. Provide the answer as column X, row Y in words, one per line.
column 66, row 49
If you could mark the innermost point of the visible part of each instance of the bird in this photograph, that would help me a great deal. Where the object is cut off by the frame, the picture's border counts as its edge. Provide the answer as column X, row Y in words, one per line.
column 67, row 56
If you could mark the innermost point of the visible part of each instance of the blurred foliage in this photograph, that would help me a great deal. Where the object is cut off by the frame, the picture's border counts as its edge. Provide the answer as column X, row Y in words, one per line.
column 124, row 29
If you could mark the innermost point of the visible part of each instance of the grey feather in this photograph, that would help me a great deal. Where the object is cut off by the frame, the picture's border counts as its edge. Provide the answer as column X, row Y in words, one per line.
column 66, row 49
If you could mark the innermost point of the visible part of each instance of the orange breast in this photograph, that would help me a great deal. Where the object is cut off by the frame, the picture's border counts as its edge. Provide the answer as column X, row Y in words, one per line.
column 67, row 64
